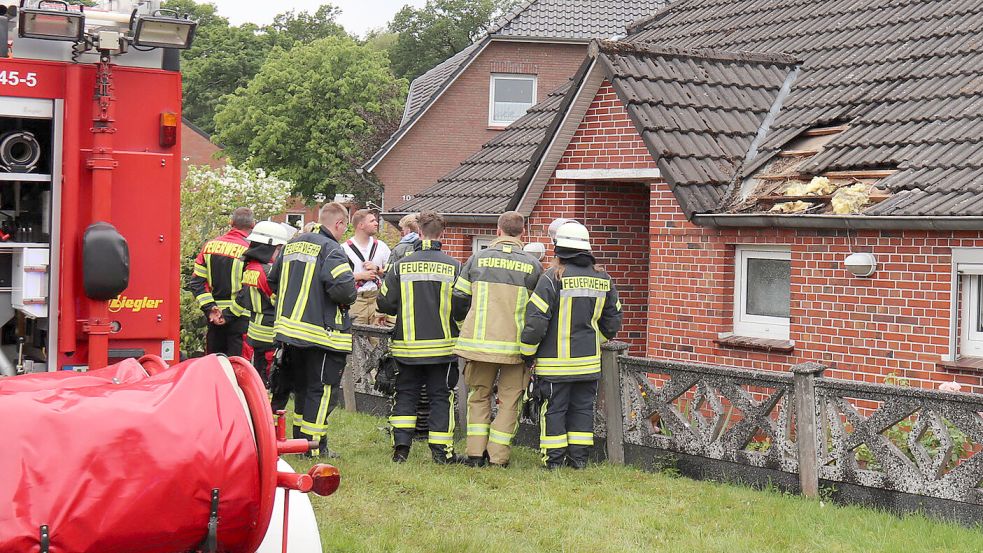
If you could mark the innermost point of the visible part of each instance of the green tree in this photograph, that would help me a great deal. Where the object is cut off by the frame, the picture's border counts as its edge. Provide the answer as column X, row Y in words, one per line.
column 311, row 113
column 440, row 29
column 292, row 27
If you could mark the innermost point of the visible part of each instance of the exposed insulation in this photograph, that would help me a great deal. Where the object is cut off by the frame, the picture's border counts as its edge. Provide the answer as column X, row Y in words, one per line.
column 851, row 199
column 818, row 186
column 791, row 207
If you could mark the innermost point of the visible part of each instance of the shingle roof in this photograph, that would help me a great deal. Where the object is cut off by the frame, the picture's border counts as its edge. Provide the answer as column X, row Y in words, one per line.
column 486, row 182
column 906, row 76
column 560, row 20
column 697, row 111
column 573, row 19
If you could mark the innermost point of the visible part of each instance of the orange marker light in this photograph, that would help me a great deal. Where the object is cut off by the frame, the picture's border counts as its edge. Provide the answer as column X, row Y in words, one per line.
column 326, row 479
column 168, row 129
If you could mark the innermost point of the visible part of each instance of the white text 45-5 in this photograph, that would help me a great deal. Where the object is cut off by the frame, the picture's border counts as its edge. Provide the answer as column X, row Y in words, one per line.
column 16, row 78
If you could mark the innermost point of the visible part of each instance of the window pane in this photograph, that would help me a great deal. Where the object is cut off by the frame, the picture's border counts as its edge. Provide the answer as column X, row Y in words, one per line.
column 513, row 97
column 979, row 300
column 768, row 287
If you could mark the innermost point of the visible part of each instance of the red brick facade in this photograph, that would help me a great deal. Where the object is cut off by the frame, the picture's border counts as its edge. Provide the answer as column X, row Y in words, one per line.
column 456, row 126
column 197, row 149
column 894, row 323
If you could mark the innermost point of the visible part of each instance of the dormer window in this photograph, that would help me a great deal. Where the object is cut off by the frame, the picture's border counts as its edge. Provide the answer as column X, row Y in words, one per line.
column 510, row 98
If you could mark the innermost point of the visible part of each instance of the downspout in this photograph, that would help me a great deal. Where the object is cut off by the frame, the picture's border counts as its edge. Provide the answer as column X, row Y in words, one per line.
column 101, row 163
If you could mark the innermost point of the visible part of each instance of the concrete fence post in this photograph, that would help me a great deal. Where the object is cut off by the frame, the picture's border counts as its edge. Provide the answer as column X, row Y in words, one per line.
column 348, row 376
column 806, row 425
column 610, row 400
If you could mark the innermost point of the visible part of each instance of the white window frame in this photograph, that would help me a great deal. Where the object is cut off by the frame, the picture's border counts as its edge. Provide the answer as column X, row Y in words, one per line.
column 287, row 216
column 479, row 243
column 971, row 341
column 757, row 326
column 491, row 95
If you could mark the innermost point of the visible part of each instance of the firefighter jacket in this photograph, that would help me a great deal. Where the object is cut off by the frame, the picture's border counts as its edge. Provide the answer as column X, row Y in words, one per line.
column 218, row 270
column 490, row 297
column 314, row 286
column 567, row 318
column 418, row 291
column 406, row 246
column 255, row 300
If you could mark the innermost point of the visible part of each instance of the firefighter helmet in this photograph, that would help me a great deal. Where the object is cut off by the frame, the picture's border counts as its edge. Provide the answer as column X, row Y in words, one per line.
column 573, row 236
column 268, row 232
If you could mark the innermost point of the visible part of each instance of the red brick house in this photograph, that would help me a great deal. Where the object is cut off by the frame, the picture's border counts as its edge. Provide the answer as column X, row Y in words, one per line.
column 697, row 171
column 197, row 148
column 466, row 101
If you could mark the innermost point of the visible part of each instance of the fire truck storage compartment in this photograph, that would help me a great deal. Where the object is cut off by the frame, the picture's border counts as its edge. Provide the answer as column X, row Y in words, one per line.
column 27, row 162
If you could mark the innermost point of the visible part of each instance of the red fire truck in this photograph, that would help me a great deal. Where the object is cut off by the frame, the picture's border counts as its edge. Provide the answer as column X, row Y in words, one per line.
column 106, row 445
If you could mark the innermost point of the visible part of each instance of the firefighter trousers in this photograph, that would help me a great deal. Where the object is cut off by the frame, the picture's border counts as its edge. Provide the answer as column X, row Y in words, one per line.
column 226, row 338
column 485, row 434
column 440, row 379
column 566, row 421
column 317, row 374
column 262, row 351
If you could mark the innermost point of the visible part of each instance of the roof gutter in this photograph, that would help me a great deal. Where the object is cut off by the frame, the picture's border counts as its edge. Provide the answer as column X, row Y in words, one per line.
column 472, row 218
column 853, row 222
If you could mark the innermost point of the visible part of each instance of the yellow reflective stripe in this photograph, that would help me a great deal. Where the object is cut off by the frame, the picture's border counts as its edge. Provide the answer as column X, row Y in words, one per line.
column 553, row 442
column 580, row 438
column 489, row 346
column 403, row 422
column 385, row 288
column 322, row 411
column 208, row 268
column 478, row 429
column 333, row 339
column 569, row 361
column 618, row 305
column 406, row 295
column 521, row 299
column 528, row 349
column 305, row 292
column 596, row 316
column 563, row 327
column 542, row 426
column 446, row 293
column 441, row 438
column 298, row 419
column 546, row 371
column 283, row 289
column 224, row 304
column 238, row 266
column 501, row 438
column 418, row 353
column 481, row 314
column 205, row 299
column 539, row 302
column 340, row 270
column 463, row 285
column 201, row 270
column 261, row 333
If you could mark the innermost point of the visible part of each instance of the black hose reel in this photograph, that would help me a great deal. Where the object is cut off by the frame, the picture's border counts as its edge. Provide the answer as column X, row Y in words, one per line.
column 20, row 152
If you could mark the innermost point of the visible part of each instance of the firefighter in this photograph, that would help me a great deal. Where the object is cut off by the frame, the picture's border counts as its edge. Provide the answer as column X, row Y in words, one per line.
column 254, row 297
column 216, row 281
column 574, row 308
column 409, row 228
column 418, row 291
column 314, row 287
column 491, row 296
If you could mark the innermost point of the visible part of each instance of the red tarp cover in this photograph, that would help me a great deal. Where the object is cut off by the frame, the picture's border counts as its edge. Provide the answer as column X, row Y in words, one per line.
column 127, row 467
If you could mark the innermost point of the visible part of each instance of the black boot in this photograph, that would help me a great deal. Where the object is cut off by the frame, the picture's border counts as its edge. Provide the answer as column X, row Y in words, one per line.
column 443, row 456
column 476, row 462
column 553, row 465
column 576, row 464
column 401, row 453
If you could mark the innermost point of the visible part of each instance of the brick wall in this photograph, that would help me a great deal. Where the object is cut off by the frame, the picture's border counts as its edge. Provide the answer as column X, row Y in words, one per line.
column 198, row 150
column 616, row 213
column 896, row 322
column 456, row 126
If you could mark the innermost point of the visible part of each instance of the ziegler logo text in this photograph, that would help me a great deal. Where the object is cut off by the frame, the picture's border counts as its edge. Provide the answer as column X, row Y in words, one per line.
column 121, row 303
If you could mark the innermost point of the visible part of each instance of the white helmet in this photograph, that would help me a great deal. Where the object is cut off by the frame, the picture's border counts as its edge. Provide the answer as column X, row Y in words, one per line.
column 268, row 232
column 556, row 224
column 574, row 236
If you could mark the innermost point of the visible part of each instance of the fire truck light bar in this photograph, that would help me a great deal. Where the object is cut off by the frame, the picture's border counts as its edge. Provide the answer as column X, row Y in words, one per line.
column 164, row 32
column 51, row 24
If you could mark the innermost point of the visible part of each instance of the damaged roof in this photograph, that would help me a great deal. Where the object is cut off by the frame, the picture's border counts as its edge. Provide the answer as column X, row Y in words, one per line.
column 903, row 77
column 540, row 20
column 698, row 111
column 487, row 181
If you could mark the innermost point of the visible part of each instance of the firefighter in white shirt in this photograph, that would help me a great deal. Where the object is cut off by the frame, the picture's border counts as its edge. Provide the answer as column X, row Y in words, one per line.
column 368, row 256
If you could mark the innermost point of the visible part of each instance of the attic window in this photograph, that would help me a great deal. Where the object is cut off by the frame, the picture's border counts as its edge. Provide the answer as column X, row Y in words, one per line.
column 510, row 97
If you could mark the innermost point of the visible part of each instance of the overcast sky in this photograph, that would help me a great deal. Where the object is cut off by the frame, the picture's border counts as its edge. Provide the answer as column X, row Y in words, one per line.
column 357, row 16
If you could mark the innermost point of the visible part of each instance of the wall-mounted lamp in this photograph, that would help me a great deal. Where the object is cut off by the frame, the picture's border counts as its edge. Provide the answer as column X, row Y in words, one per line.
column 861, row 264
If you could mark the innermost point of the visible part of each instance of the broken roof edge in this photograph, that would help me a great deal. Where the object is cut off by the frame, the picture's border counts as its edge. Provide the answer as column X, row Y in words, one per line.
column 476, row 218
column 644, row 22
column 599, row 46
column 852, row 222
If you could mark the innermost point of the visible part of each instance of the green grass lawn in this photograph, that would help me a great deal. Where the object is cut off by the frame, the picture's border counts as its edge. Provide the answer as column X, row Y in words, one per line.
column 419, row 506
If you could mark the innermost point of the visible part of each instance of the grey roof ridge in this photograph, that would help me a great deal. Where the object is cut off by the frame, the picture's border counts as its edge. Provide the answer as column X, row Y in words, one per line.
column 402, row 130
column 648, row 48
column 644, row 22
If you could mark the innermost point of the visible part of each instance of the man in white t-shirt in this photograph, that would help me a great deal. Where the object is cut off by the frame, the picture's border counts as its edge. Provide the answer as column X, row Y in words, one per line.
column 367, row 256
